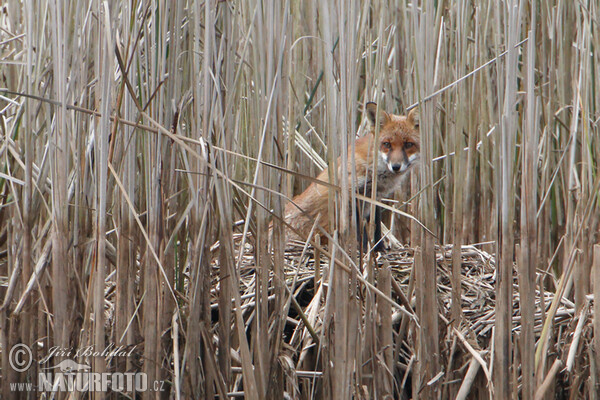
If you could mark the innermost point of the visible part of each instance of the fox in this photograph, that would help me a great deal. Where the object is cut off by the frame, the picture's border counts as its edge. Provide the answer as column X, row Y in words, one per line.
column 396, row 152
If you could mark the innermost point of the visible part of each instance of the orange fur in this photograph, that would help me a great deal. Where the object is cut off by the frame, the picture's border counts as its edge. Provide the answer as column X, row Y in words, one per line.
column 397, row 151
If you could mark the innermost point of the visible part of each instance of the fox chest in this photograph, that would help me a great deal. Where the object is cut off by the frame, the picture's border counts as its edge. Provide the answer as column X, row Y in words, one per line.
column 387, row 183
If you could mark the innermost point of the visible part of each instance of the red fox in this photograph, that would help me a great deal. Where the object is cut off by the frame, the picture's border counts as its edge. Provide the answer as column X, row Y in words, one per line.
column 397, row 151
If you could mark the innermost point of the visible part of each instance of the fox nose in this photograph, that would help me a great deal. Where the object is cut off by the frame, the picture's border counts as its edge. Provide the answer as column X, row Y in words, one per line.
column 396, row 167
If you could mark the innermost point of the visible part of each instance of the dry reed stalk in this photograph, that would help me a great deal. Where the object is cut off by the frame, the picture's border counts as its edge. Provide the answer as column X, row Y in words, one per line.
column 428, row 348
column 224, row 196
column 527, row 254
column 200, row 382
column 105, row 62
column 504, row 172
column 336, row 381
column 596, row 282
column 548, row 380
column 28, row 335
column 458, row 166
column 61, row 273
column 372, row 357
column 126, row 249
column 153, row 195
column 383, row 386
column 574, row 207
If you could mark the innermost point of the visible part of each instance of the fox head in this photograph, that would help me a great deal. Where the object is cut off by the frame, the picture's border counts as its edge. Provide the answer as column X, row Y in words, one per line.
column 399, row 144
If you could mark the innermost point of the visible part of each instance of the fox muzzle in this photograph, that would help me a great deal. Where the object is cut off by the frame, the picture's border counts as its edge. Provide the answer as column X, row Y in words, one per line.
column 405, row 165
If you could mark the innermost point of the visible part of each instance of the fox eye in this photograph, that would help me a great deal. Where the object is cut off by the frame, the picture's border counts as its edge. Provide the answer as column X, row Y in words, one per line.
column 386, row 145
column 408, row 145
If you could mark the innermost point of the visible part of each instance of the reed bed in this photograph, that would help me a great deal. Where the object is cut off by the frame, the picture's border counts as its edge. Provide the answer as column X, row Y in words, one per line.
column 147, row 146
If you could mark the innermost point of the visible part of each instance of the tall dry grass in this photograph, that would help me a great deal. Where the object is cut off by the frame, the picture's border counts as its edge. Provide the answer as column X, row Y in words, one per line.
column 137, row 135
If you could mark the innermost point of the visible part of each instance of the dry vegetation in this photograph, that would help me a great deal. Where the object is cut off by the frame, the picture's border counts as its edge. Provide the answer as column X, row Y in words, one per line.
column 144, row 143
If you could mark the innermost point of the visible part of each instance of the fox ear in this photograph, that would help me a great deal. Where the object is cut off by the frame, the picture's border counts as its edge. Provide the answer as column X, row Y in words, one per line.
column 413, row 117
column 371, row 109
